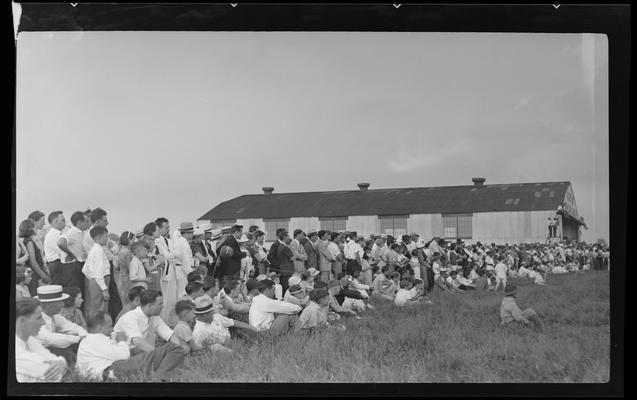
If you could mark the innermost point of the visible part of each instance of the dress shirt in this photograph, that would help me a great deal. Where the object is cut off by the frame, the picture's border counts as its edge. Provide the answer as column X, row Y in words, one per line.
column 51, row 250
column 216, row 332
column 263, row 308
column 97, row 266
column 97, row 352
column 183, row 255
column 59, row 332
column 334, row 249
column 137, row 324
column 30, row 357
column 75, row 242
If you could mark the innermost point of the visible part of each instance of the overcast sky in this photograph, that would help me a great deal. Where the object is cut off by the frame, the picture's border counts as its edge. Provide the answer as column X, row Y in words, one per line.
column 149, row 124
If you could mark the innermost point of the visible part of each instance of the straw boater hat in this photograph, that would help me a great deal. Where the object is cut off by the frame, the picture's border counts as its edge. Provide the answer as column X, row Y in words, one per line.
column 272, row 275
column 51, row 293
column 294, row 289
column 139, row 233
column 511, row 290
column 262, row 277
column 312, row 232
column 198, row 232
column 225, row 229
column 186, row 227
column 294, row 280
column 203, row 305
column 313, row 271
column 206, row 227
column 243, row 239
column 216, row 234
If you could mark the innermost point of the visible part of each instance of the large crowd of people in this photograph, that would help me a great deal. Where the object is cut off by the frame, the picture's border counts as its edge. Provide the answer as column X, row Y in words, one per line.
column 102, row 306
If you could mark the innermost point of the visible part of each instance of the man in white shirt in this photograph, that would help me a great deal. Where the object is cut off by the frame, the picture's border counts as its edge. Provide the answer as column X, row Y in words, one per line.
column 168, row 282
column 57, row 334
column 72, row 242
column 184, row 259
column 33, row 362
column 101, row 357
column 61, row 265
column 273, row 316
column 143, row 324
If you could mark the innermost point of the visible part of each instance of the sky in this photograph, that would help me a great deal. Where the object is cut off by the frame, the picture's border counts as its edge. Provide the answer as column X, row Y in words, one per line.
column 150, row 124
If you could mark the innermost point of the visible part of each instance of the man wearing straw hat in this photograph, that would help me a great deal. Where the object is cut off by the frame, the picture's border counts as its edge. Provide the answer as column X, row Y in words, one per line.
column 57, row 334
column 34, row 362
column 168, row 283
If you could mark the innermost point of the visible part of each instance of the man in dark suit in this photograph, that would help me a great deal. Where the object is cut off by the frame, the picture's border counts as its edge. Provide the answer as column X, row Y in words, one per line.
column 231, row 264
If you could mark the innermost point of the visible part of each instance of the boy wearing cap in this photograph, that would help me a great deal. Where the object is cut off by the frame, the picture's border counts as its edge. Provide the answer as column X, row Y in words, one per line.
column 509, row 311
column 212, row 328
column 314, row 316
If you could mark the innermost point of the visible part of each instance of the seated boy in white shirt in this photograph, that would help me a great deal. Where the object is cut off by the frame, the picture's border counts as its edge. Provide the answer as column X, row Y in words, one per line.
column 213, row 328
column 101, row 358
column 404, row 295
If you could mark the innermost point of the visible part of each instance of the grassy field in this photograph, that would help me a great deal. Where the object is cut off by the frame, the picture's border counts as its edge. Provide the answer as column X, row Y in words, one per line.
column 457, row 339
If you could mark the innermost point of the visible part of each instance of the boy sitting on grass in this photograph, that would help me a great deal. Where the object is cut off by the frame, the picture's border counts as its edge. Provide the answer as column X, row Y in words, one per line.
column 315, row 316
column 405, row 295
column 509, row 311
column 185, row 310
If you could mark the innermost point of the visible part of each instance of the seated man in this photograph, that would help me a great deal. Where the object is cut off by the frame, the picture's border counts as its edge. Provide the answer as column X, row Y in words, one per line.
column 100, row 357
column 509, row 310
column 380, row 285
column 133, row 301
column 275, row 317
column 58, row 334
column 143, row 324
column 213, row 328
column 33, row 362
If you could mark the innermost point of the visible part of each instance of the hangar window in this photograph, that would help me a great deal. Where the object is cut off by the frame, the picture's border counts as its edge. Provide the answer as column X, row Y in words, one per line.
column 457, row 226
column 333, row 224
column 271, row 225
column 395, row 225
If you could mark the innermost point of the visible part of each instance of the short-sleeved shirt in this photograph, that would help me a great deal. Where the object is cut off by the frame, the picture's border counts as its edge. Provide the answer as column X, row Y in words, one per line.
column 182, row 331
column 136, row 324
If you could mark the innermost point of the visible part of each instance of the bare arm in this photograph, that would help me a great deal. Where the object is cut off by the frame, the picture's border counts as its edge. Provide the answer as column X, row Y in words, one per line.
column 243, row 325
column 34, row 264
column 63, row 245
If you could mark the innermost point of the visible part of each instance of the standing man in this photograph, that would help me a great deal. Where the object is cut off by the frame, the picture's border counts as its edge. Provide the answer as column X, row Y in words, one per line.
column 300, row 256
column 309, row 244
column 165, row 247
column 285, row 257
column 335, row 251
column 184, row 259
column 61, row 264
column 353, row 253
column 231, row 263
column 324, row 255
column 72, row 242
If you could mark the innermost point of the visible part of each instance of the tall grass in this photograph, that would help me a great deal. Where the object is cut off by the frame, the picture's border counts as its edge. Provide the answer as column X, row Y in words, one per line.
column 456, row 339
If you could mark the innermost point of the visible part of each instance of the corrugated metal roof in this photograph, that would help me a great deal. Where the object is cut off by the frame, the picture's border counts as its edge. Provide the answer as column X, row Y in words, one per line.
column 429, row 200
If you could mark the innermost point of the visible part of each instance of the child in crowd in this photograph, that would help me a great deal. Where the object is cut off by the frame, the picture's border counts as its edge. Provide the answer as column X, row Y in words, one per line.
column 367, row 269
column 414, row 264
column 97, row 271
column 450, row 281
column 356, row 284
column 500, row 274
column 136, row 269
column 404, row 295
column 381, row 287
column 481, row 282
column 71, row 306
column 213, row 328
column 307, row 279
column 193, row 290
column 185, row 310
column 23, row 276
column 296, row 295
column 461, row 282
column 509, row 311
column 314, row 316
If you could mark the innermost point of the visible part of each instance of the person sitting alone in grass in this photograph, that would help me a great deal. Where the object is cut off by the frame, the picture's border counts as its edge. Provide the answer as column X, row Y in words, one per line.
column 101, row 357
column 133, row 301
column 509, row 311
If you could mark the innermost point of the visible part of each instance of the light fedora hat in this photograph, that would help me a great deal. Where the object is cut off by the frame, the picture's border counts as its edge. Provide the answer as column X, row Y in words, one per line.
column 216, row 234
column 186, row 227
column 206, row 227
column 51, row 293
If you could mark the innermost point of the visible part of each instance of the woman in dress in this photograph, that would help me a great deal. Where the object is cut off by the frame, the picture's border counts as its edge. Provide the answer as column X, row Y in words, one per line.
column 41, row 273
column 22, row 255
column 123, row 261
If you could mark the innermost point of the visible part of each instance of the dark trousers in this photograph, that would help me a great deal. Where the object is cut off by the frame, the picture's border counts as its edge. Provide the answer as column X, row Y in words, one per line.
column 67, row 275
column 69, row 353
column 163, row 360
column 115, row 303
column 352, row 266
column 283, row 278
